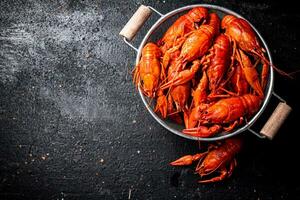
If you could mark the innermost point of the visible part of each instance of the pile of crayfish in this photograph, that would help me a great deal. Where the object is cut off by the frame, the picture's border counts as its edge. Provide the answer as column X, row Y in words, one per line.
column 203, row 72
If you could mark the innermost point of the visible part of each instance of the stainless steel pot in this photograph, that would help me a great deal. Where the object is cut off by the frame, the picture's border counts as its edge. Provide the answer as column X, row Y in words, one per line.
column 156, row 31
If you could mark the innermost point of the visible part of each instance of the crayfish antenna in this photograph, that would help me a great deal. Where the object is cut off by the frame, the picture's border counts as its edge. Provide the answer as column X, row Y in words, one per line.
column 280, row 71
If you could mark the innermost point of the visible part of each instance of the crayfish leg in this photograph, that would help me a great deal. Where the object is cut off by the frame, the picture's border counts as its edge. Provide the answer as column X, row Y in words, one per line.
column 172, row 113
column 136, row 74
column 232, row 166
column 222, row 176
column 167, row 57
column 183, row 76
column 161, row 105
column 233, row 125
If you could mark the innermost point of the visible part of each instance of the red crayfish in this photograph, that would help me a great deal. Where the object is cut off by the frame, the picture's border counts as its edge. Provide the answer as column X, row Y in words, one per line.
column 218, row 159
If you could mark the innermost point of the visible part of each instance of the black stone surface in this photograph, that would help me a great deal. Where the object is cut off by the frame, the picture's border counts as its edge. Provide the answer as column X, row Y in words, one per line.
column 72, row 125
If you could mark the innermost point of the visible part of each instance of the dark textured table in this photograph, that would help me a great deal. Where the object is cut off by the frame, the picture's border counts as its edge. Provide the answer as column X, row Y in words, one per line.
column 72, row 125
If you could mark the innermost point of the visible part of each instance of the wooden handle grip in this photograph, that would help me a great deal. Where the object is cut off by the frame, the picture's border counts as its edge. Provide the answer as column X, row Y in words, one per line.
column 136, row 22
column 276, row 120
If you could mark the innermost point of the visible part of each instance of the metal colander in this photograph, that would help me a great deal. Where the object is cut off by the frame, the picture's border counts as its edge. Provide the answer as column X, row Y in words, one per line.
column 159, row 28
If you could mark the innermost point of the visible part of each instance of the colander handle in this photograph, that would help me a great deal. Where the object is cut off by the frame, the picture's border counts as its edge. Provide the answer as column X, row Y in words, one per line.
column 136, row 22
column 275, row 121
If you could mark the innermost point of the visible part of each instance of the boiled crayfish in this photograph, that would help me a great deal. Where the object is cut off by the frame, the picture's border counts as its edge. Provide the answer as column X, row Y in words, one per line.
column 148, row 72
column 230, row 111
column 218, row 159
column 241, row 33
column 182, row 26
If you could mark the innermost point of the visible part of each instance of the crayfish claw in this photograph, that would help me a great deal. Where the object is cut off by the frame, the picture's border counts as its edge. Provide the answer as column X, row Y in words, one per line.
column 185, row 160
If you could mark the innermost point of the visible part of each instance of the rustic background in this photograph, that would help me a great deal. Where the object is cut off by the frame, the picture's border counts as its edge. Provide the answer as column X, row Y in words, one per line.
column 72, row 125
